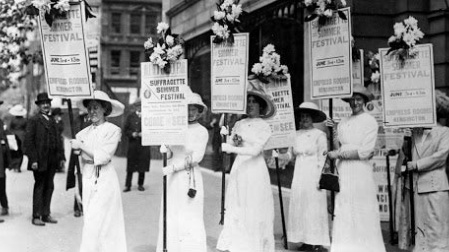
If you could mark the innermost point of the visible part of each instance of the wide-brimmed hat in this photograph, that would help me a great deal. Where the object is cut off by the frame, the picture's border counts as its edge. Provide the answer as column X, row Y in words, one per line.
column 18, row 110
column 313, row 110
column 360, row 90
column 117, row 107
column 195, row 99
column 257, row 88
column 42, row 97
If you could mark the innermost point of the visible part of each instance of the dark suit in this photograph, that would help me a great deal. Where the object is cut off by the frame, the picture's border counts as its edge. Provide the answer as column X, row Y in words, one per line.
column 5, row 160
column 42, row 145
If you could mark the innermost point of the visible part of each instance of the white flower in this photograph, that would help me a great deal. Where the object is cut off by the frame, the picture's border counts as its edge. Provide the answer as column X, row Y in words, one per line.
column 13, row 48
column 308, row 2
column 284, row 69
column 43, row 5
column 219, row 15
column 12, row 31
column 230, row 18
column 377, row 56
column 411, row 22
column 392, row 39
column 148, row 44
column 328, row 13
column 221, row 31
column 343, row 3
column 257, row 68
column 162, row 27
column 408, row 39
column 62, row 5
column 226, row 4
column 375, row 77
column 417, row 34
column 159, row 49
column 236, row 10
column 399, row 29
column 268, row 49
column 170, row 40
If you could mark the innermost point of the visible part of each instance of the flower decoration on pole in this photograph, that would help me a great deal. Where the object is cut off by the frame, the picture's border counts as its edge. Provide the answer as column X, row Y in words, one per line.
column 324, row 9
column 406, row 36
column 269, row 65
column 52, row 9
column 226, row 19
column 167, row 49
column 373, row 62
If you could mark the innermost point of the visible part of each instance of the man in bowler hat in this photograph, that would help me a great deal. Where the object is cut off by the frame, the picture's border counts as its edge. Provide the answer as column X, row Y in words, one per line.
column 45, row 152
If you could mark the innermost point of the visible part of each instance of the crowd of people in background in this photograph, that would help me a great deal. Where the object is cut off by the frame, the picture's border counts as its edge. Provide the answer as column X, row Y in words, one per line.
column 352, row 224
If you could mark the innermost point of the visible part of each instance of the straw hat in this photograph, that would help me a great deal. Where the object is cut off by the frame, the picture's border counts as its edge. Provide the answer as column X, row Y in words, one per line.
column 313, row 110
column 18, row 110
column 257, row 88
column 360, row 90
column 195, row 99
column 117, row 107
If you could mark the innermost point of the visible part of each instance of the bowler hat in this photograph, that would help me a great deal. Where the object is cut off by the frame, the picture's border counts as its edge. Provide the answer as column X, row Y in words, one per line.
column 42, row 97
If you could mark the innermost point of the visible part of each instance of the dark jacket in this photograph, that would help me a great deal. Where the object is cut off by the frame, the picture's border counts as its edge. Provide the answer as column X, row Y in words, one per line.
column 37, row 141
column 5, row 157
column 138, row 156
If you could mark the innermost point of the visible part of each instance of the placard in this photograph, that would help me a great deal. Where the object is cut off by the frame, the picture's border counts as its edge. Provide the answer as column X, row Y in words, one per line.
column 331, row 57
column 408, row 89
column 65, row 54
column 229, row 70
column 379, row 164
column 164, row 104
column 283, row 122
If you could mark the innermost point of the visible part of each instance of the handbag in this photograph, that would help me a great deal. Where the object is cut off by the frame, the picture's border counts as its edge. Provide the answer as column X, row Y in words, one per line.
column 328, row 180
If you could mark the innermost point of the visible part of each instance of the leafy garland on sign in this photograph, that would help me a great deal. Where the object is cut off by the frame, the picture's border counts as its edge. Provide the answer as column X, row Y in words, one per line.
column 53, row 9
column 406, row 36
column 226, row 20
column 324, row 9
column 168, row 48
column 269, row 65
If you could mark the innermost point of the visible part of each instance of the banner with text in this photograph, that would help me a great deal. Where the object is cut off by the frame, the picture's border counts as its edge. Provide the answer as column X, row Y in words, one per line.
column 331, row 57
column 283, row 122
column 379, row 164
column 229, row 74
column 408, row 89
column 65, row 54
column 164, row 104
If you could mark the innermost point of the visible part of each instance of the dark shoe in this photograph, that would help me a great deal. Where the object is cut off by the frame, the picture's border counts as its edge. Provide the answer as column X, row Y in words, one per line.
column 5, row 211
column 1, row 220
column 78, row 213
column 49, row 219
column 141, row 188
column 127, row 189
column 37, row 222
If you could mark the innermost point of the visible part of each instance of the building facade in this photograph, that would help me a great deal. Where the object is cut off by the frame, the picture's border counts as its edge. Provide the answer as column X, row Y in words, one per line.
column 281, row 23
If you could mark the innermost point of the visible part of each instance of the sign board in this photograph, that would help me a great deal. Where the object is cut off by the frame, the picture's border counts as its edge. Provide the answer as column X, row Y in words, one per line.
column 65, row 54
column 229, row 71
column 331, row 57
column 283, row 122
column 380, row 178
column 164, row 104
column 408, row 89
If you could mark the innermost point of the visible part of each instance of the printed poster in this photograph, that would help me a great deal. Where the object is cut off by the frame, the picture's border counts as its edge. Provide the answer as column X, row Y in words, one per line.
column 229, row 73
column 65, row 54
column 408, row 89
column 283, row 122
column 379, row 164
column 331, row 57
column 164, row 104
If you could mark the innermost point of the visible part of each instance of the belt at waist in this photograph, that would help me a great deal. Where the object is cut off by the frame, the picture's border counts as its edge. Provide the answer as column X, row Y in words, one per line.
column 87, row 161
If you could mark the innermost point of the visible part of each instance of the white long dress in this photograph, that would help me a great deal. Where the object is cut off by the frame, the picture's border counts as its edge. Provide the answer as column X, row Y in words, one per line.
column 357, row 223
column 185, row 224
column 248, row 223
column 308, row 220
column 104, row 225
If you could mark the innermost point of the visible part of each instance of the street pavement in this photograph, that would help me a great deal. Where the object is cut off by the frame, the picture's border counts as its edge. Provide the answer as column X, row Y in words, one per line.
column 141, row 210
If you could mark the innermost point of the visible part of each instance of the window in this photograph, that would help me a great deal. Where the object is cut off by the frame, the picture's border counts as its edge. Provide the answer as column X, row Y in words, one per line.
column 134, row 63
column 115, row 62
column 151, row 23
column 116, row 21
column 135, row 22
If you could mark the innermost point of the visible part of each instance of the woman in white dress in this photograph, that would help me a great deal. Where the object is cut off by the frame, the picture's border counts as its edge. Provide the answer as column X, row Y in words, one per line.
column 248, row 223
column 308, row 221
column 356, row 223
column 104, row 226
column 185, row 224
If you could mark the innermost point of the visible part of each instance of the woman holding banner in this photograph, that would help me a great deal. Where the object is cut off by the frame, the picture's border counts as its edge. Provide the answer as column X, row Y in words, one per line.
column 356, row 223
column 249, row 201
column 185, row 194
column 104, row 226
column 308, row 221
